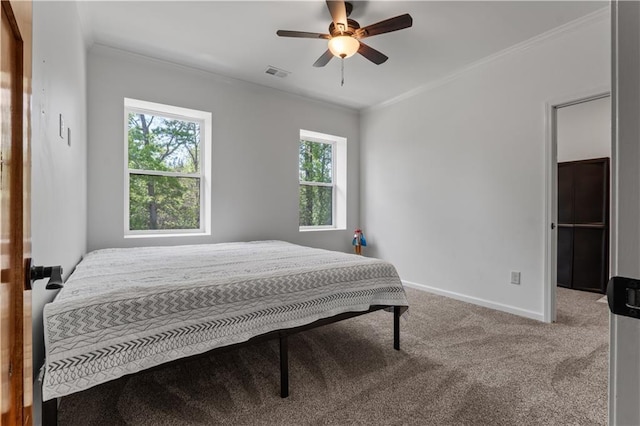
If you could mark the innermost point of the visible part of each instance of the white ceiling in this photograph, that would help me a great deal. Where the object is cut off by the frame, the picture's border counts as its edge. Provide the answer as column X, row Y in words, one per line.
column 238, row 39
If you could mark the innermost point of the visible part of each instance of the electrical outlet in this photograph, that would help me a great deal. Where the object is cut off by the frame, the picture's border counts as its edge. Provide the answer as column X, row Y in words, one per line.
column 515, row 277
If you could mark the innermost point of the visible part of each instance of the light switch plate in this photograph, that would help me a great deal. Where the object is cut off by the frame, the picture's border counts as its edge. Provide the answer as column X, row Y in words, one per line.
column 515, row 277
column 61, row 125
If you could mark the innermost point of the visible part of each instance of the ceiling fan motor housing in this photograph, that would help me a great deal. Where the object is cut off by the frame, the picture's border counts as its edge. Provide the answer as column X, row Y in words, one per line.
column 352, row 27
column 348, row 6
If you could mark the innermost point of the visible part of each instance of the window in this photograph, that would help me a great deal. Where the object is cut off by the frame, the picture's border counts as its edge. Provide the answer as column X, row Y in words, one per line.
column 322, row 179
column 317, row 186
column 167, row 189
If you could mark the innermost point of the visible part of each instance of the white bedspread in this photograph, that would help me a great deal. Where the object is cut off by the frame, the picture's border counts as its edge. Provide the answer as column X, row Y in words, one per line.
column 126, row 310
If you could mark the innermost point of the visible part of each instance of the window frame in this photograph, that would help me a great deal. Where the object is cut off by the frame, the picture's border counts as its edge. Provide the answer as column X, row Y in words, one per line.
column 338, row 179
column 203, row 118
column 331, row 185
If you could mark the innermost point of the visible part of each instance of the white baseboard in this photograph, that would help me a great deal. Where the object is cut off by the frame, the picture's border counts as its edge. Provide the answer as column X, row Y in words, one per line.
column 476, row 301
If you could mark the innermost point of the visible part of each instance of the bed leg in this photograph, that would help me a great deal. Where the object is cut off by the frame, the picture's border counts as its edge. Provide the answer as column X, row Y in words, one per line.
column 50, row 412
column 284, row 366
column 396, row 328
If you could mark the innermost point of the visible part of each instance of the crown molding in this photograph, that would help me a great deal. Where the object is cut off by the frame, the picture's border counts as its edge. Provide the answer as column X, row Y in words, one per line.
column 569, row 27
column 84, row 18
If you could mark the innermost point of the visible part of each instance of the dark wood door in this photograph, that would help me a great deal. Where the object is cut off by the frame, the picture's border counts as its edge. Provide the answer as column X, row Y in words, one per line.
column 565, row 256
column 583, row 228
column 565, row 193
column 15, row 238
column 590, row 259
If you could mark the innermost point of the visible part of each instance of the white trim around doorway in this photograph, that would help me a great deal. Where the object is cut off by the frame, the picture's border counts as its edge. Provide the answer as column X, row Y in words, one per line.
column 551, row 197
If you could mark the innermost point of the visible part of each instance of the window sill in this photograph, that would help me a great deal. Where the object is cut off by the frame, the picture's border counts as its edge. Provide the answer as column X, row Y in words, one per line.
column 321, row 229
column 184, row 234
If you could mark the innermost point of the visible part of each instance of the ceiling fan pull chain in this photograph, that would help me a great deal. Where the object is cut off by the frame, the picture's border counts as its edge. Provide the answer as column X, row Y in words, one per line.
column 342, row 70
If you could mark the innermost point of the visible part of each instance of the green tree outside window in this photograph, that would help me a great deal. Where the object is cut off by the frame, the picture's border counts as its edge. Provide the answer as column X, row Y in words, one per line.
column 316, row 183
column 164, row 173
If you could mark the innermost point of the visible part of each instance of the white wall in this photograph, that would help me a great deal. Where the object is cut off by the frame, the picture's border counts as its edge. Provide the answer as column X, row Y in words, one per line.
column 453, row 177
column 58, row 171
column 255, row 148
column 584, row 130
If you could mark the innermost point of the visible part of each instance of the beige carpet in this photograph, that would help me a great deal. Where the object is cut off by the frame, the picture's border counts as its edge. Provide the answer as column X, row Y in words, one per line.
column 459, row 365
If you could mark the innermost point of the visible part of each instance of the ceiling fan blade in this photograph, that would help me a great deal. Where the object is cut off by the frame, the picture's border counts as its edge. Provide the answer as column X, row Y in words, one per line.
column 324, row 59
column 302, row 34
column 386, row 26
column 372, row 54
column 338, row 12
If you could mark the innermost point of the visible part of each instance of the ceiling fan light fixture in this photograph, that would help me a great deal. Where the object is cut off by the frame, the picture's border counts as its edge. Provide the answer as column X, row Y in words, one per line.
column 344, row 46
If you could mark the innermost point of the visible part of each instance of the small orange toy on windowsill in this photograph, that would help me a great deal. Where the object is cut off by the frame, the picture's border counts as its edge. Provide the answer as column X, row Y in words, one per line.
column 359, row 241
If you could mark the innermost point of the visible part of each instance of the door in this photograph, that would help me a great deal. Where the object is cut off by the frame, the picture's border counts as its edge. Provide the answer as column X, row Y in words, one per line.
column 15, row 241
column 624, row 368
column 583, row 224
column 565, row 225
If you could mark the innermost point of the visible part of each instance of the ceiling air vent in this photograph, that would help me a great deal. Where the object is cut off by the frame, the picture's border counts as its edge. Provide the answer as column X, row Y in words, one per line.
column 277, row 72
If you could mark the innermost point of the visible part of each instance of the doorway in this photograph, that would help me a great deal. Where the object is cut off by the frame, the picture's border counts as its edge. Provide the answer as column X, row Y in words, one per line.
column 578, row 142
column 583, row 186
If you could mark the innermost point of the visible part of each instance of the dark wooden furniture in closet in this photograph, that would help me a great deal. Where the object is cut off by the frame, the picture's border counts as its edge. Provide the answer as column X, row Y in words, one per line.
column 583, row 224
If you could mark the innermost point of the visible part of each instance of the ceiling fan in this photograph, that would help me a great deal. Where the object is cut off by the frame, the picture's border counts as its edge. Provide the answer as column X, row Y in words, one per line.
column 345, row 34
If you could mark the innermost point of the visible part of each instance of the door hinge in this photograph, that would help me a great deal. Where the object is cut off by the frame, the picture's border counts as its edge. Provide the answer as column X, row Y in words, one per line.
column 10, row 368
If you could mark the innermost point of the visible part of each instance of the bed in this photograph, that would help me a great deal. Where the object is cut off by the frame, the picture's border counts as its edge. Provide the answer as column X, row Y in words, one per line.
column 131, row 309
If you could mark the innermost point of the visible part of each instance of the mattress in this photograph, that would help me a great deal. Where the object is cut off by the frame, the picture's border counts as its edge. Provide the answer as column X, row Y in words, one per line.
column 130, row 309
